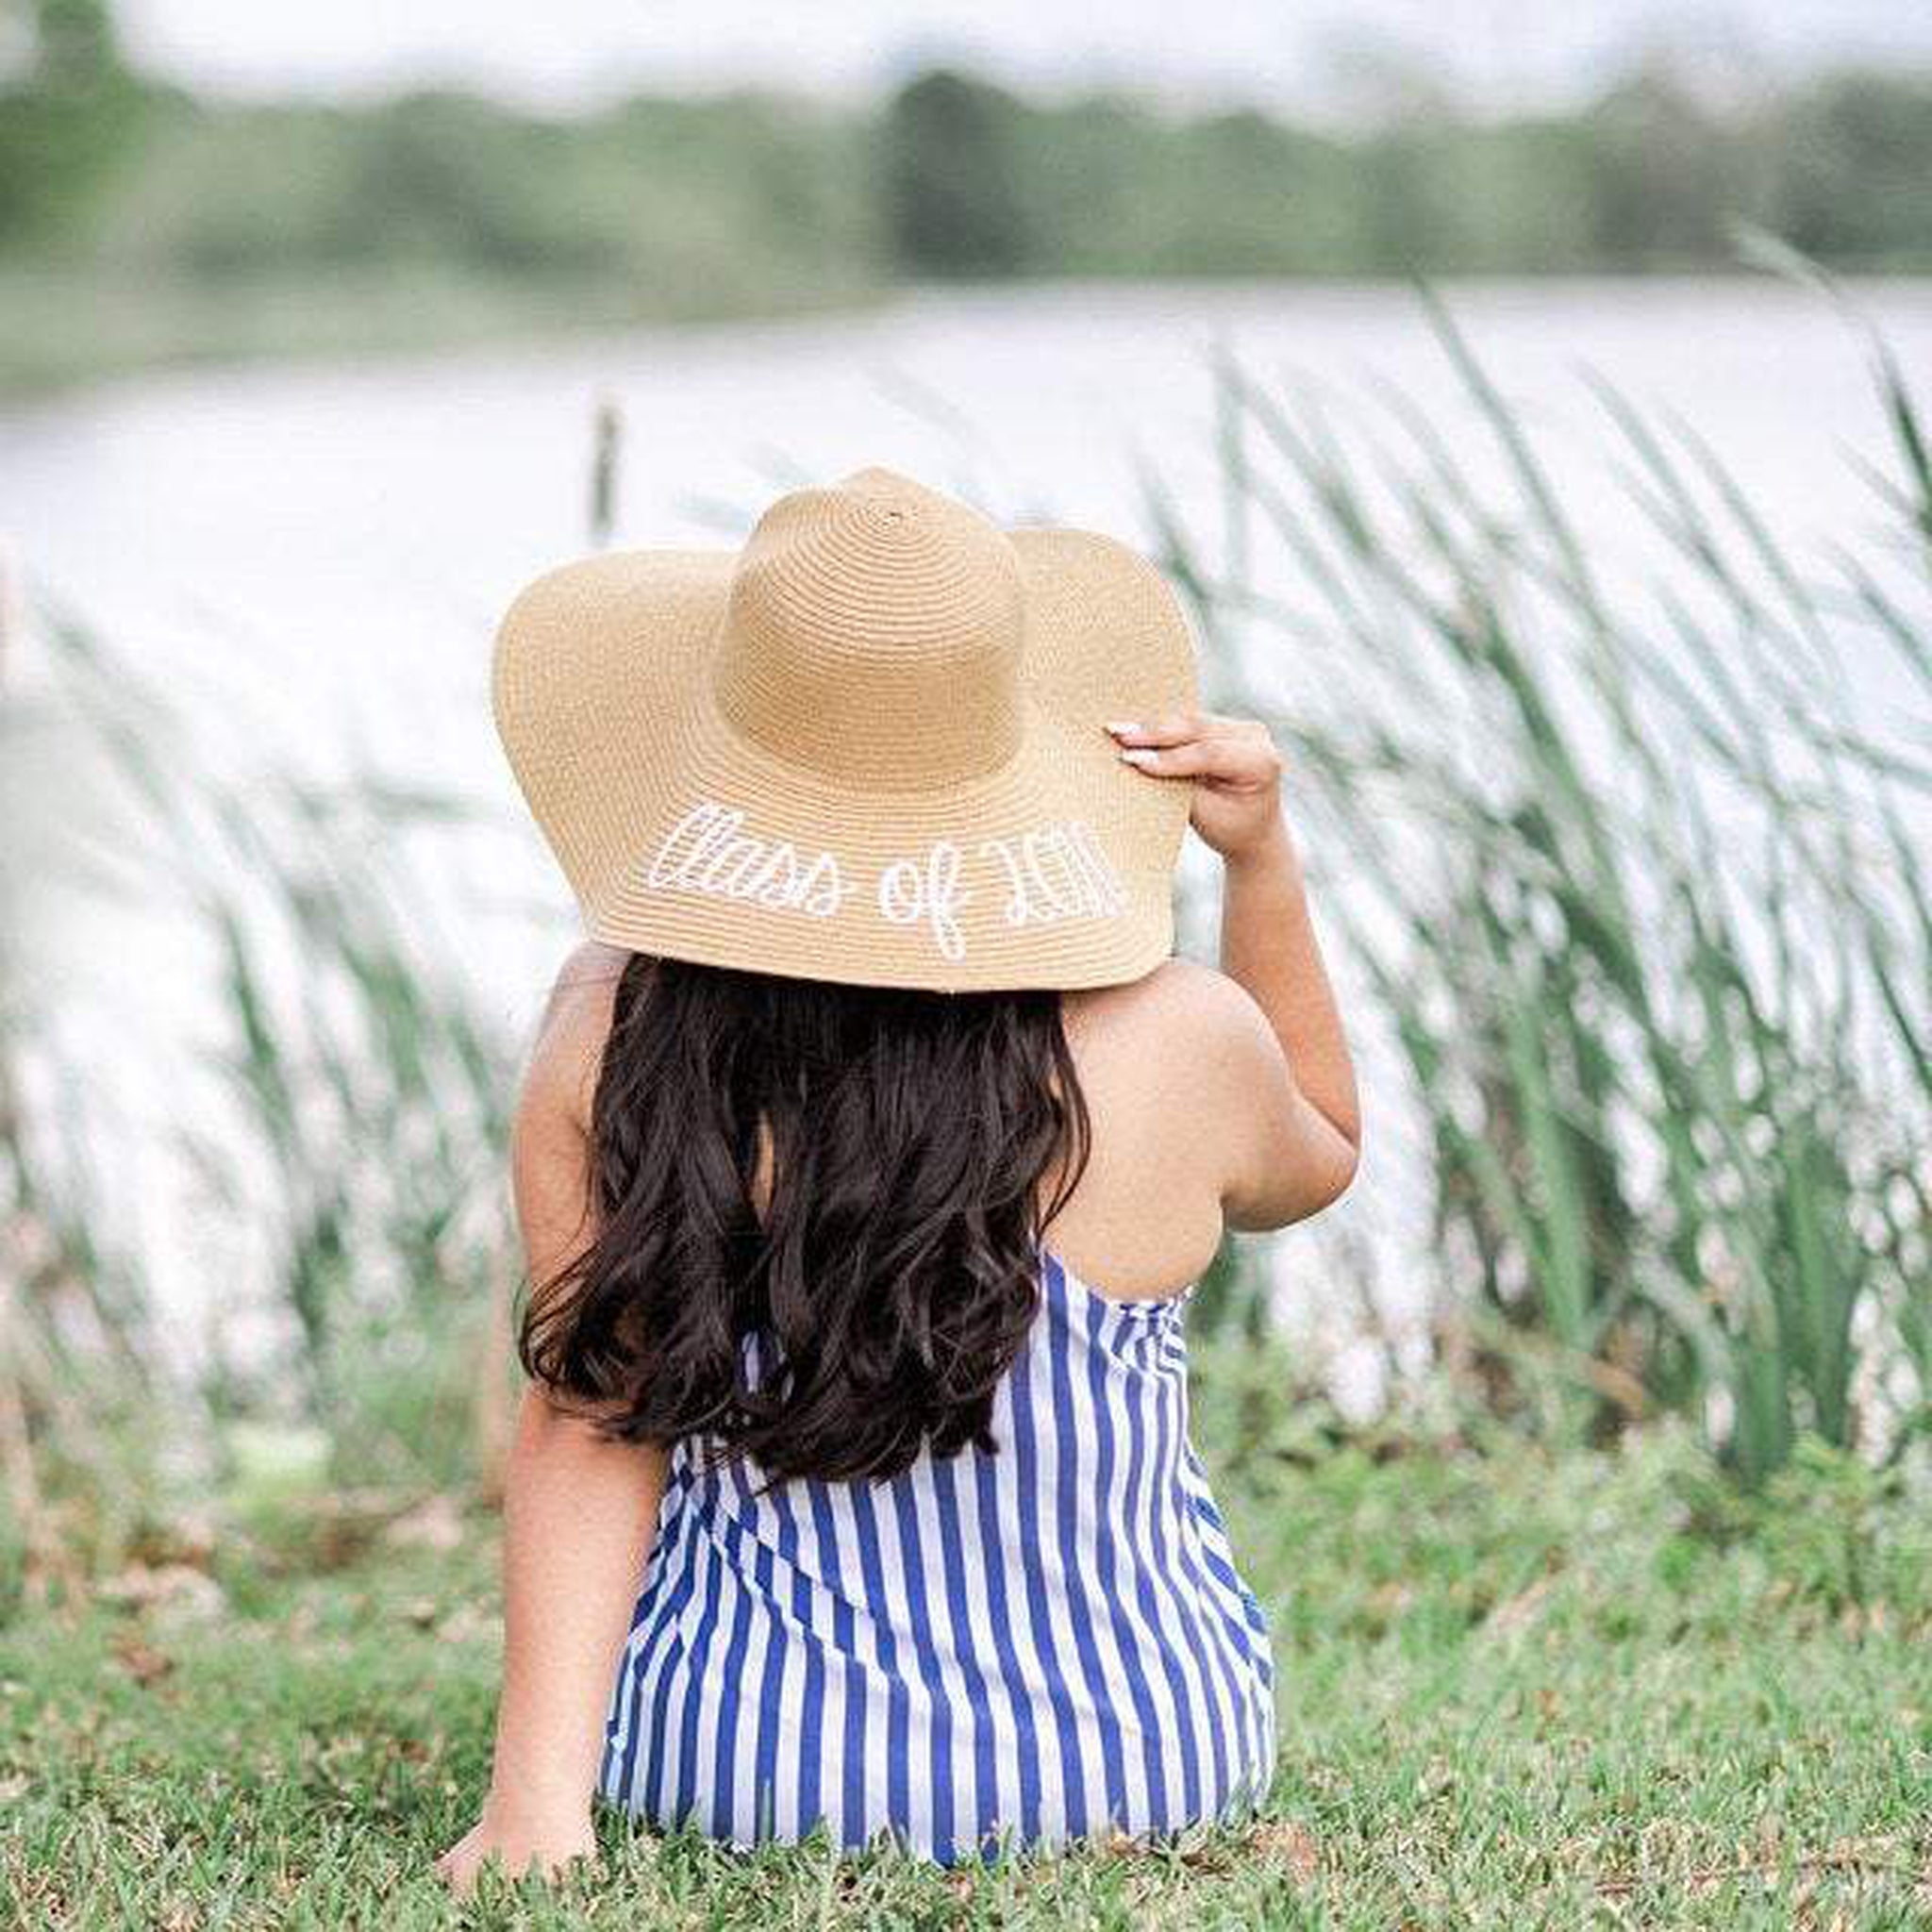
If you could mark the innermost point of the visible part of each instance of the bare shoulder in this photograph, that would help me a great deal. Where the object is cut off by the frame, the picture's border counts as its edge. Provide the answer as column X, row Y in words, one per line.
column 550, row 1171
column 569, row 1050
column 1187, row 1042
column 1160, row 1062
column 1189, row 1013
column 1198, row 1092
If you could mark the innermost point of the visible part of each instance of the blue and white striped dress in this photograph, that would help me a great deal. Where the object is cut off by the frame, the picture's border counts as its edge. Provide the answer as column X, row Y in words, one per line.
column 987, row 1652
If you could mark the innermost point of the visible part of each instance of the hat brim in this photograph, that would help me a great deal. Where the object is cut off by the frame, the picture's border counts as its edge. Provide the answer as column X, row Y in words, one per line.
column 683, row 839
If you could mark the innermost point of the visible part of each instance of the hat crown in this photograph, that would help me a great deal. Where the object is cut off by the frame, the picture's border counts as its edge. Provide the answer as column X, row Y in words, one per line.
column 874, row 633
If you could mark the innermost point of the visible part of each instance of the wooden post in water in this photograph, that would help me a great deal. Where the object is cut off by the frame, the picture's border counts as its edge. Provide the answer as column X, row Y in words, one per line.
column 607, row 448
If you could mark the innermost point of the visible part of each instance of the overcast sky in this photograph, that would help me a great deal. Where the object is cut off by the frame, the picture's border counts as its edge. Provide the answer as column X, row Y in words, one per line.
column 1285, row 53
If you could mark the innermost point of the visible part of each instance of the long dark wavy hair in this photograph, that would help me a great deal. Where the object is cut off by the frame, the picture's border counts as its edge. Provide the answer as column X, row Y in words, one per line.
column 893, row 1276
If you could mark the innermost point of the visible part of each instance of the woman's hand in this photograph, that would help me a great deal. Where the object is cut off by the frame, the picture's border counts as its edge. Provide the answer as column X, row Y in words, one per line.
column 520, row 1838
column 1236, row 769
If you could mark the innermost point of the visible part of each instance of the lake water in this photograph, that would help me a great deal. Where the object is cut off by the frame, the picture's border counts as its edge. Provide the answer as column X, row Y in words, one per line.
column 310, row 559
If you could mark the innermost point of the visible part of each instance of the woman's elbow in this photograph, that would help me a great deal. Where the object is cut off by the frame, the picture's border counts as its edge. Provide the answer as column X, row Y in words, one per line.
column 1339, row 1172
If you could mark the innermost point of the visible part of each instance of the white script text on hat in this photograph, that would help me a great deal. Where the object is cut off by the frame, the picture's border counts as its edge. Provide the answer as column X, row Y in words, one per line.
column 1048, row 871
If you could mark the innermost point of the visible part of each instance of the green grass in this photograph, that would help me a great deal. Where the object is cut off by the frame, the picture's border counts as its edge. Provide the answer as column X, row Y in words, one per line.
column 1593, row 1688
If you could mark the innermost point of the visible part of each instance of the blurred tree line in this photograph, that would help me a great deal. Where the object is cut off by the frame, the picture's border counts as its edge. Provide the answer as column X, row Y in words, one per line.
column 756, row 200
column 69, row 106
column 1652, row 175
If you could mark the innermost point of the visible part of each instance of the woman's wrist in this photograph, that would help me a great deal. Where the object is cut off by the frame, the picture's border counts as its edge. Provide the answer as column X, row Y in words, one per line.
column 536, row 1807
column 545, row 1790
column 1272, row 849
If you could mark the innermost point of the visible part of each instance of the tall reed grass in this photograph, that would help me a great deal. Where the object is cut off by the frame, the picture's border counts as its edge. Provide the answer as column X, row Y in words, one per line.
column 341, row 1129
column 1634, row 877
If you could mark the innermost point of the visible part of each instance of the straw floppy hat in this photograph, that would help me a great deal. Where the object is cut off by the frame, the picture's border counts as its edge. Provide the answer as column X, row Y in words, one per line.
column 869, row 746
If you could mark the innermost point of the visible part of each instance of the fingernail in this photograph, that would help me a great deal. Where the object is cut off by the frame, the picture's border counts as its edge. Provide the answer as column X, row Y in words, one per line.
column 1142, row 755
column 1124, row 728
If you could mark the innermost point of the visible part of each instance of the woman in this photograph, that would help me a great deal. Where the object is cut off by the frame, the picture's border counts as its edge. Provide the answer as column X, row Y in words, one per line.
column 868, row 1156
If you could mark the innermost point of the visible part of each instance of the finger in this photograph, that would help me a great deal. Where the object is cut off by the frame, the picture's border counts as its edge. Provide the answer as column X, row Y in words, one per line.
column 1236, row 757
column 1196, row 760
column 1172, row 727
